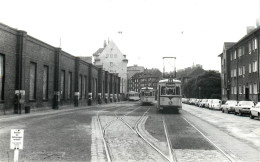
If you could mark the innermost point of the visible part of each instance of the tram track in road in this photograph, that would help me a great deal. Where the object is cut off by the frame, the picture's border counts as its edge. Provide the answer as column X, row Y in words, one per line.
column 210, row 141
column 134, row 129
column 186, row 139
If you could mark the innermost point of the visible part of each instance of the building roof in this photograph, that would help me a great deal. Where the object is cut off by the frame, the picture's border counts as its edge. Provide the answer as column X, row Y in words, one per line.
column 246, row 36
column 227, row 45
column 100, row 50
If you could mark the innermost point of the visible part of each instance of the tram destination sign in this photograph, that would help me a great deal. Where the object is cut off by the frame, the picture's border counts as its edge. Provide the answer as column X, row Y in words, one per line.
column 170, row 84
column 16, row 141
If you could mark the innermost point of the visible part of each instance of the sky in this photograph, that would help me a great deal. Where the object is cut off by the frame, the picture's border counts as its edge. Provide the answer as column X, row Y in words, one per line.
column 193, row 31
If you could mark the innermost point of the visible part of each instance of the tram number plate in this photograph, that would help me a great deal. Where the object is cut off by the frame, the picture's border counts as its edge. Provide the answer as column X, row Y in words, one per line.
column 170, row 84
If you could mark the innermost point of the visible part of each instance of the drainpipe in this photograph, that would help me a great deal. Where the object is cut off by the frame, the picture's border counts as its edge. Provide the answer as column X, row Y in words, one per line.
column 237, row 74
column 258, row 93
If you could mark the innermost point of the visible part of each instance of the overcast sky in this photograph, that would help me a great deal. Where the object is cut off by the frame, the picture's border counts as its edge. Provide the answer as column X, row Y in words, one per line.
column 193, row 31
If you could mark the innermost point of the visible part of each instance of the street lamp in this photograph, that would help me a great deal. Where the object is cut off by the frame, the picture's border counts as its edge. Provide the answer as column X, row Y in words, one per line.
column 199, row 92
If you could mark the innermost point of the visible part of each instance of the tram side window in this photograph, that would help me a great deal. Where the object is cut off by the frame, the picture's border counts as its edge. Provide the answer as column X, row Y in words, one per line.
column 142, row 93
column 178, row 91
column 163, row 92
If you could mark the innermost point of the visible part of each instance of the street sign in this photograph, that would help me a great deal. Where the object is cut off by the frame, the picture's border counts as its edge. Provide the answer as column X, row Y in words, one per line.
column 16, row 141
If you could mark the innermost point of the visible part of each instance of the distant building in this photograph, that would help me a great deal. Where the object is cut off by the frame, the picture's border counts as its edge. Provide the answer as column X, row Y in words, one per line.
column 113, row 61
column 86, row 59
column 148, row 78
column 240, row 68
column 131, row 70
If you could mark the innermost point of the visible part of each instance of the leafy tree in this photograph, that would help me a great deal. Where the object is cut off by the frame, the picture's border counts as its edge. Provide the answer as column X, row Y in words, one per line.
column 207, row 85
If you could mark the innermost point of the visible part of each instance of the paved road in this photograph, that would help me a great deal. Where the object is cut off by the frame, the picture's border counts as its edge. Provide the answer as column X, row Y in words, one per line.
column 75, row 135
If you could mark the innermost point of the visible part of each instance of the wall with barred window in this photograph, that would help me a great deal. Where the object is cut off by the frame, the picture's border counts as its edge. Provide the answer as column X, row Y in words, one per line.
column 37, row 75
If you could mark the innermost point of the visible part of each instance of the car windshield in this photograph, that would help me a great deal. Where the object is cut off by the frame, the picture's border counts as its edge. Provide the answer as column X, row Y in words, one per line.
column 246, row 103
column 216, row 101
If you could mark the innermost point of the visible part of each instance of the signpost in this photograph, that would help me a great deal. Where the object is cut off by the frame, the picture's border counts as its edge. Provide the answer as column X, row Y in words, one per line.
column 16, row 142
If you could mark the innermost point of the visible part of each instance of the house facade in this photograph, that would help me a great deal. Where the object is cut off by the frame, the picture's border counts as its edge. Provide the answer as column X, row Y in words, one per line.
column 240, row 68
column 111, row 59
column 148, row 78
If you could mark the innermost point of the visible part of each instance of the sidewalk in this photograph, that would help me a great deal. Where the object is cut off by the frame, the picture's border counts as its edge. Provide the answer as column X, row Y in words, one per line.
column 42, row 111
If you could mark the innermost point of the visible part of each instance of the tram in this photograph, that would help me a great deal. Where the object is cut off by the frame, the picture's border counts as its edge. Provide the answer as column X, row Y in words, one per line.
column 133, row 96
column 147, row 95
column 169, row 95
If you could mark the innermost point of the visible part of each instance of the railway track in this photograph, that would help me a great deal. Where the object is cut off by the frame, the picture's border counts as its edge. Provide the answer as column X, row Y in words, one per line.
column 210, row 141
column 134, row 129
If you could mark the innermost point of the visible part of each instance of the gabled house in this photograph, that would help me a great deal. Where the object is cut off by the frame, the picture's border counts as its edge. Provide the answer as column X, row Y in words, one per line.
column 113, row 61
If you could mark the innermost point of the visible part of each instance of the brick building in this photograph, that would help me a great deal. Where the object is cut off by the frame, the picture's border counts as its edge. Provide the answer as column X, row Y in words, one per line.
column 148, row 78
column 240, row 68
column 40, row 76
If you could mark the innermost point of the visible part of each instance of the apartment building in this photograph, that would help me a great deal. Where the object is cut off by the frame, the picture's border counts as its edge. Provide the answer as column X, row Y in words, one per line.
column 240, row 68
column 148, row 78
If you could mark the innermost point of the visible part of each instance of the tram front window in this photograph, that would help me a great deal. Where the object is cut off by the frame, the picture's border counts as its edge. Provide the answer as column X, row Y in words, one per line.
column 148, row 94
column 170, row 90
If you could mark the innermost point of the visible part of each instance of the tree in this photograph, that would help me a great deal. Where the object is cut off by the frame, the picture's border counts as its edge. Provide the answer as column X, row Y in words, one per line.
column 207, row 85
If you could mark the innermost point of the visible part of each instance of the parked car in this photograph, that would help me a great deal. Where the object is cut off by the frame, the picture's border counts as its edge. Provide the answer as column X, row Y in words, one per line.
column 184, row 100
column 215, row 104
column 197, row 102
column 228, row 106
column 243, row 107
column 192, row 101
column 203, row 102
column 208, row 103
column 255, row 111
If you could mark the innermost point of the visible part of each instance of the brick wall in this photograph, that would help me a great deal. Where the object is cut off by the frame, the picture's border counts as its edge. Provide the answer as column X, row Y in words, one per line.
column 20, row 50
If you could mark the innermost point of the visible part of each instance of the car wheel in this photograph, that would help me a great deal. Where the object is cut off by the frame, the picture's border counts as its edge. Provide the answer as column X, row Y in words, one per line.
column 223, row 111
column 228, row 112
column 235, row 113
column 251, row 116
column 240, row 113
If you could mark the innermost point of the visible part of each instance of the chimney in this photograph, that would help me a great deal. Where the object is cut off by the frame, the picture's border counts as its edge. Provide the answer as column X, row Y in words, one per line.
column 249, row 29
column 105, row 43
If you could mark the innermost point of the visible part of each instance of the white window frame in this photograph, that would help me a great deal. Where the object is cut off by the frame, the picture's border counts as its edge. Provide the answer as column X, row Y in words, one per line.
column 255, row 88
column 235, row 72
column 249, row 47
column 250, row 89
column 239, row 52
column 240, row 89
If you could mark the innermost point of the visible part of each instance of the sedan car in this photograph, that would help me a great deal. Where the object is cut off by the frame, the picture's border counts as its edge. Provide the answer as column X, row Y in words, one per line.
column 229, row 106
column 215, row 104
column 208, row 103
column 192, row 101
column 203, row 102
column 243, row 107
column 255, row 111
